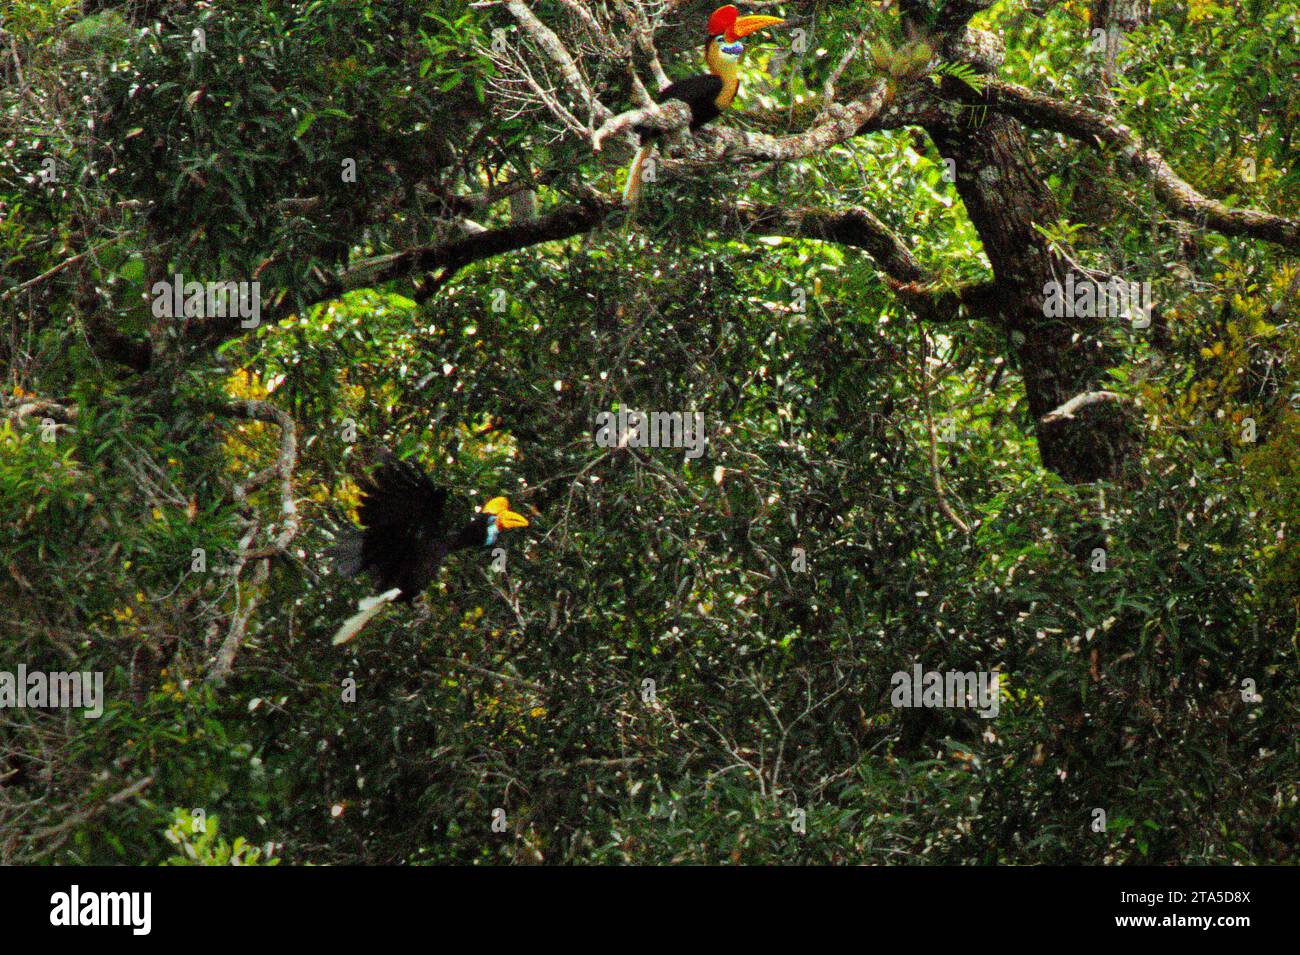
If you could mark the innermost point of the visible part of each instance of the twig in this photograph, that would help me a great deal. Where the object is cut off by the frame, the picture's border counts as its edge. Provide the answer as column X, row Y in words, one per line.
column 554, row 48
column 54, row 270
column 77, row 818
column 503, row 677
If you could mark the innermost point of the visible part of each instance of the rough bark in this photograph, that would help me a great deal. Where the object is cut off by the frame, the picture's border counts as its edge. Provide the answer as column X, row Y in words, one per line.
column 1059, row 358
column 1116, row 18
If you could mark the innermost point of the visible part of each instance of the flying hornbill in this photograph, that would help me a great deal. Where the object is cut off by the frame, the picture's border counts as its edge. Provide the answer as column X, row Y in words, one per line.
column 707, row 94
column 402, row 541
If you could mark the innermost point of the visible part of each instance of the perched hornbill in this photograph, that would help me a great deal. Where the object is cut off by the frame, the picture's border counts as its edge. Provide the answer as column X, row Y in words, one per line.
column 707, row 94
column 402, row 541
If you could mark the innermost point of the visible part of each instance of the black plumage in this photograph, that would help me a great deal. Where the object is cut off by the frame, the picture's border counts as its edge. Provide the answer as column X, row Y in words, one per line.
column 700, row 93
column 402, row 541
column 707, row 94
column 403, row 538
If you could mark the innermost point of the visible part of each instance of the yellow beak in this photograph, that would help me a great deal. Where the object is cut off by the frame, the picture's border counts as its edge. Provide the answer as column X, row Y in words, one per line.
column 506, row 518
column 744, row 26
column 509, row 520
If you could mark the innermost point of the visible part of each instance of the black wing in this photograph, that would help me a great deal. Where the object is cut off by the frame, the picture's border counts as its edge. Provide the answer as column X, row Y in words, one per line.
column 402, row 539
column 700, row 93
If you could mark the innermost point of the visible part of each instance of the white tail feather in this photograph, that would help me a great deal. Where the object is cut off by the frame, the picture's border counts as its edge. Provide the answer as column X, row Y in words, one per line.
column 366, row 610
column 632, row 190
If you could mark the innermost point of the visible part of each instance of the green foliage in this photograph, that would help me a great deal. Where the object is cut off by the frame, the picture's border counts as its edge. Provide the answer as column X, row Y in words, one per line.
column 199, row 842
column 963, row 72
column 525, row 691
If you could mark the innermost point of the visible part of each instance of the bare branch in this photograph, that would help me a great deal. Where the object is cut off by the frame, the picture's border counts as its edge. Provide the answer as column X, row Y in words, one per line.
column 828, row 88
column 18, row 409
column 555, row 49
column 841, row 123
column 65, row 827
column 54, row 270
column 643, row 35
column 670, row 116
column 1068, row 409
column 837, row 124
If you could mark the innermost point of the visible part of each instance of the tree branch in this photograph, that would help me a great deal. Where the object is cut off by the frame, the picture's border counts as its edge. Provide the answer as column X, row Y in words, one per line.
column 859, row 228
column 448, row 258
column 1090, row 126
column 444, row 258
column 283, row 468
column 56, row 269
column 1068, row 409
column 643, row 34
column 856, row 227
column 839, row 123
column 554, row 48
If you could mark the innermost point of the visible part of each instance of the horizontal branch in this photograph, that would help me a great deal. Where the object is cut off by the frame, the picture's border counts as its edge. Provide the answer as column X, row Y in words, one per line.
column 70, row 822
column 974, row 300
column 55, row 269
column 839, row 123
column 861, row 229
column 856, row 227
column 450, row 257
column 665, row 117
column 19, row 408
column 1091, row 126
column 445, row 258
column 1068, row 409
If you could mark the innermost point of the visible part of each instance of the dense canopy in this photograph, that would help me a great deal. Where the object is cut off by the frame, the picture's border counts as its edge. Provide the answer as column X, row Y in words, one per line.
column 924, row 447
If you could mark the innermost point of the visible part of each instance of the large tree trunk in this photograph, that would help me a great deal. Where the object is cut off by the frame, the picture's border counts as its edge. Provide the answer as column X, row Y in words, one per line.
column 1059, row 358
column 1115, row 18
